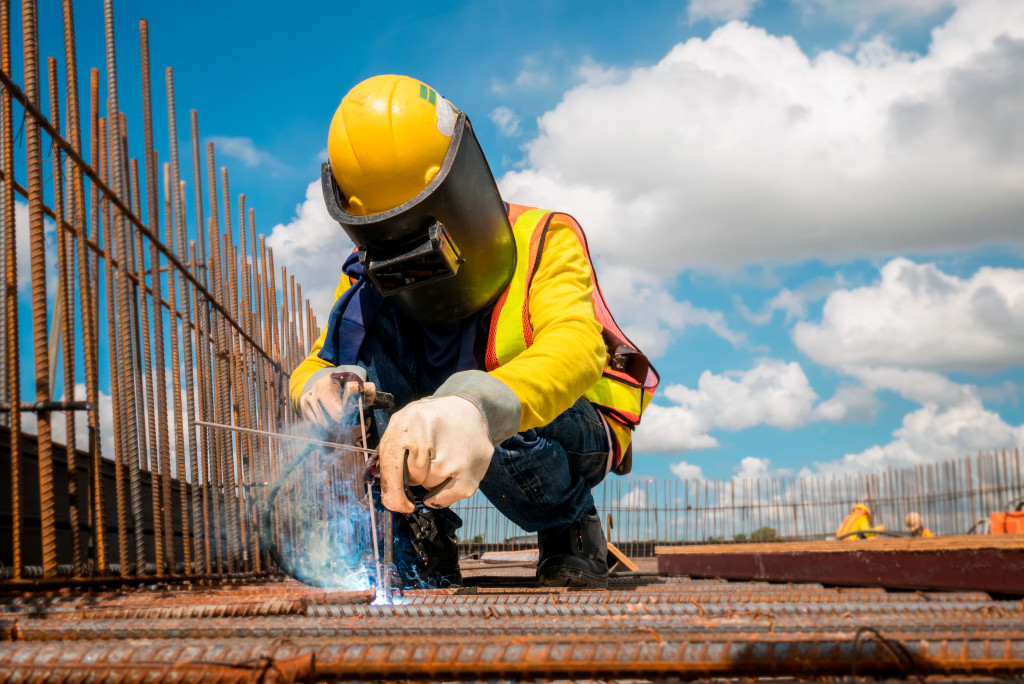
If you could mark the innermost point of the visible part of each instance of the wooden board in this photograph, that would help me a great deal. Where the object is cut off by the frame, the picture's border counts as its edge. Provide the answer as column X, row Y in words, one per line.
column 993, row 563
column 964, row 541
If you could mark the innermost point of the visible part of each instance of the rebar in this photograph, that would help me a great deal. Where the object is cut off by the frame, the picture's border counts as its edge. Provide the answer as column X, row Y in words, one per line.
column 65, row 255
column 10, row 284
column 37, row 241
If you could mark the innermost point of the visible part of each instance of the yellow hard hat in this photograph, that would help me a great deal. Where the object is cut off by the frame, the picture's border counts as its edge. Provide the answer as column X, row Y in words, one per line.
column 864, row 508
column 387, row 141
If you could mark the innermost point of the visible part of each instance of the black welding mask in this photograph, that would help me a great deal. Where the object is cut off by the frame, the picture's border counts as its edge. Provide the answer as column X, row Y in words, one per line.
column 446, row 253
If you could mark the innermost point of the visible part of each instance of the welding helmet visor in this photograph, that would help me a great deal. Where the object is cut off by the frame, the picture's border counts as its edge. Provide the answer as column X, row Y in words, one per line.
column 446, row 253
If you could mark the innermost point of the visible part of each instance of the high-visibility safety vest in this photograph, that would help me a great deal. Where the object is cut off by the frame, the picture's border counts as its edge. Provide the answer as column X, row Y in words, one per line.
column 628, row 381
column 858, row 520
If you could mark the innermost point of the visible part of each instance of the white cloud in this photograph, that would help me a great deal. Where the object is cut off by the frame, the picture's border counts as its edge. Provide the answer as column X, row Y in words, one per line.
column 793, row 303
column 687, row 471
column 244, row 150
column 315, row 246
column 850, row 404
column 772, row 393
column 752, row 468
column 506, row 120
column 931, row 434
column 921, row 318
column 649, row 314
column 741, row 148
column 533, row 76
column 24, row 251
column 720, row 10
column 634, row 498
column 862, row 10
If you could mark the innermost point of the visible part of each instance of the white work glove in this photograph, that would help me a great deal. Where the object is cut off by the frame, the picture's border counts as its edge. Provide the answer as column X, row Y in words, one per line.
column 325, row 398
column 441, row 443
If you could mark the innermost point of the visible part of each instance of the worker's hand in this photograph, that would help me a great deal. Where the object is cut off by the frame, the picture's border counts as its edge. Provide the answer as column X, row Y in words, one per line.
column 440, row 443
column 325, row 397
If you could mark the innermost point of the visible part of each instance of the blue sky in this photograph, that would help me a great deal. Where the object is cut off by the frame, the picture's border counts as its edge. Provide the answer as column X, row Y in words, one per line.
column 808, row 212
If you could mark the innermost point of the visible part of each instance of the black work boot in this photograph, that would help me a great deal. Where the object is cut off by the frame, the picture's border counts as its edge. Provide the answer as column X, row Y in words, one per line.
column 575, row 555
column 426, row 554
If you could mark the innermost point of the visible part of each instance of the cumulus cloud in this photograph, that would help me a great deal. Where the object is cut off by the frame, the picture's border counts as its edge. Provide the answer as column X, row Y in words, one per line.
column 772, row 393
column 506, row 120
column 934, row 433
column 850, row 404
column 315, row 242
column 918, row 317
column 244, row 150
column 720, row 10
column 793, row 303
column 742, row 149
column 752, row 468
column 687, row 471
column 650, row 315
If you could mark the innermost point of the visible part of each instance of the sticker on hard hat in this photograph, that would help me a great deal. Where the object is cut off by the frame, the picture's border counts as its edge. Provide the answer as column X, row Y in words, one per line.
column 446, row 117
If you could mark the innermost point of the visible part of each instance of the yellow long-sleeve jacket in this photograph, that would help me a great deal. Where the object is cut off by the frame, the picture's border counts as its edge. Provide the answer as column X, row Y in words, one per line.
column 566, row 358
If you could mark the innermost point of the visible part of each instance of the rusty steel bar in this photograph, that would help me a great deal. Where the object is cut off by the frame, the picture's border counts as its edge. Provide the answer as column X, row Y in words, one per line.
column 65, row 274
column 187, row 331
column 12, row 360
column 157, row 475
column 577, row 656
column 90, row 350
column 286, row 619
column 153, row 214
column 179, row 432
column 117, row 156
column 37, row 241
column 114, row 345
column 220, row 377
column 210, row 323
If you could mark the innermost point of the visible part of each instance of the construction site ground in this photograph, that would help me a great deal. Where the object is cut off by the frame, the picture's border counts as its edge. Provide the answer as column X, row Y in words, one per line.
column 501, row 626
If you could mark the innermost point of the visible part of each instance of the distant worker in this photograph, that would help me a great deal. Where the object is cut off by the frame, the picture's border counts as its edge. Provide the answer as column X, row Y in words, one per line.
column 485, row 321
column 915, row 525
column 858, row 521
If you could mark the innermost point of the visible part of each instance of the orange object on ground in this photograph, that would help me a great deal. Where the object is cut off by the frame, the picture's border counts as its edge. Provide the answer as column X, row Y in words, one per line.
column 1007, row 522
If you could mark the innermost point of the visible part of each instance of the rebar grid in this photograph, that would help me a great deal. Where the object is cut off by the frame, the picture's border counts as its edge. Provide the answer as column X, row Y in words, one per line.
column 186, row 329
column 643, row 628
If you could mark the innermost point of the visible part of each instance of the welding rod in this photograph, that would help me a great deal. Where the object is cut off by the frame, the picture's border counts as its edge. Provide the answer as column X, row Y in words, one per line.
column 278, row 435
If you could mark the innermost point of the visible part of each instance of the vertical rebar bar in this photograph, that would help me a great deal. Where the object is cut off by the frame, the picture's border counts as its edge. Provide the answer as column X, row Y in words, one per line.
column 179, row 432
column 156, row 473
column 65, row 275
column 181, row 228
column 90, row 351
column 153, row 214
column 127, row 369
column 37, row 242
column 10, row 284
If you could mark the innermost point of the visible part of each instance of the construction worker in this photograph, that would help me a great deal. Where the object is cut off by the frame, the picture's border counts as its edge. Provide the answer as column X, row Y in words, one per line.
column 858, row 520
column 485, row 321
column 915, row 525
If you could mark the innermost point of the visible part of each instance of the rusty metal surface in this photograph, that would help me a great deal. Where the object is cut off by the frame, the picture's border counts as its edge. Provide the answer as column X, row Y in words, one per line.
column 995, row 570
column 644, row 627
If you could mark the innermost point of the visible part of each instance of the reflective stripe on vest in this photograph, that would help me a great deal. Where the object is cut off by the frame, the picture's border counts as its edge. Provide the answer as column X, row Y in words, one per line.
column 619, row 396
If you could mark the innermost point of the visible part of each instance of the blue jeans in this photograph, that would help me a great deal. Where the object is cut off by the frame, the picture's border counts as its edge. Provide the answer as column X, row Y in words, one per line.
column 539, row 479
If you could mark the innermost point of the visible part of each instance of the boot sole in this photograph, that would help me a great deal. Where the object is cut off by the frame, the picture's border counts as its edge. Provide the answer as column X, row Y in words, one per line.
column 568, row 577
